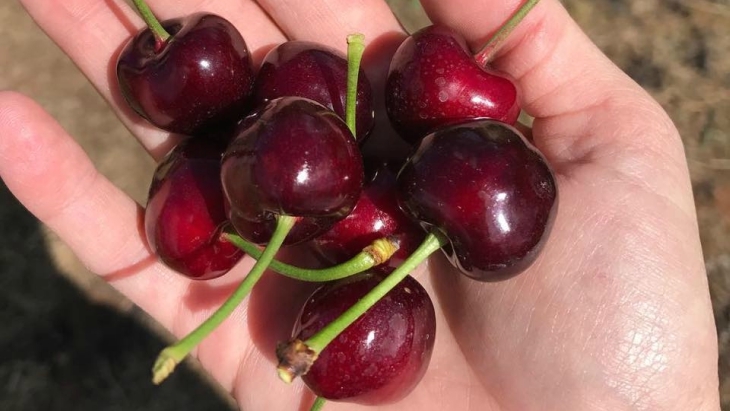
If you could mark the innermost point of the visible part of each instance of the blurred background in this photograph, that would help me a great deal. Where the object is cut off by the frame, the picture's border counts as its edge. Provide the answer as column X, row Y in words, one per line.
column 70, row 342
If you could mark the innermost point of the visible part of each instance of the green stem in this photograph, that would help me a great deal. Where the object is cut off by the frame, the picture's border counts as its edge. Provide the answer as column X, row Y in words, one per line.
column 485, row 55
column 297, row 356
column 378, row 252
column 318, row 404
column 323, row 337
column 161, row 35
column 355, row 50
column 174, row 354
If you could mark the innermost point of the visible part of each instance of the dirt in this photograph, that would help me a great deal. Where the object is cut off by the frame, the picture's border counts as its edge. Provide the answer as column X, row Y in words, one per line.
column 69, row 342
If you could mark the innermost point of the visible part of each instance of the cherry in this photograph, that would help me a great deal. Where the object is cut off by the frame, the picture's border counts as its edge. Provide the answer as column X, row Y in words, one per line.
column 316, row 72
column 434, row 81
column 488, row 190
column 185, row 212
column 198, row 79
column 376, row 215
column 294, row 158
column 382, row 356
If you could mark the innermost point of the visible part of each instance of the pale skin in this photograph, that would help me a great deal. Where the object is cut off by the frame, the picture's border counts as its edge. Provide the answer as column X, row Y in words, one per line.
column 614, row 315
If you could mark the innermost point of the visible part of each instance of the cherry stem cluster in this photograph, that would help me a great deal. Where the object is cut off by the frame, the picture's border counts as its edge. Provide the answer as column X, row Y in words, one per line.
column 173, row 355
column 161, row 35
column 485, row 55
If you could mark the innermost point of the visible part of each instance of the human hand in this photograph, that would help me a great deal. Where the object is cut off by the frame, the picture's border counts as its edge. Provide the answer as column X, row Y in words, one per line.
column 615, row 314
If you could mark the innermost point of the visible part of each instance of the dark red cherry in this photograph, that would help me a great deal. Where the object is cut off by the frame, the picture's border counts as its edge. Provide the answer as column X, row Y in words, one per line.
column 434, row 81
column 317, row 72
column 488, row 189
column 199, row 79
column 383, row 355
column 294, row 157
column 185, row 212
column 376, row 215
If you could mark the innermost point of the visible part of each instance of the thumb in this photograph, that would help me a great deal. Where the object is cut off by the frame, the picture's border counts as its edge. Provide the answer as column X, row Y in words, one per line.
column 587, row 111
column 581, row 101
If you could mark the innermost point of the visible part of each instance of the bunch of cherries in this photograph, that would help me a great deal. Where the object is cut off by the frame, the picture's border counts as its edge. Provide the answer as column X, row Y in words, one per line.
column 279, row 156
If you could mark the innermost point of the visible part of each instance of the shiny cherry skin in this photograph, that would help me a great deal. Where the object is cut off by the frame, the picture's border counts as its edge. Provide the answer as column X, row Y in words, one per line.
column 294, row 157
column 434, row 81
column 383, row 355
column 317, row 72
column 376, row 215
column 200, row 79
column 185, row 212
column 488, row 190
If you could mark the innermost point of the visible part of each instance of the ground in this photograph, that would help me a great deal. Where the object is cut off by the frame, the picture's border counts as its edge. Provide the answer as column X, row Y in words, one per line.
column 69, row 342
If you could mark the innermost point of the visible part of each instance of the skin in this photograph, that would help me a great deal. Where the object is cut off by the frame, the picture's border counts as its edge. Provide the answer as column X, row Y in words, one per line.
column 614, row 315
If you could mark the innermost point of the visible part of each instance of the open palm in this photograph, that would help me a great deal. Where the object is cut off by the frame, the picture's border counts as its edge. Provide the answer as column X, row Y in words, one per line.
column 614, row 315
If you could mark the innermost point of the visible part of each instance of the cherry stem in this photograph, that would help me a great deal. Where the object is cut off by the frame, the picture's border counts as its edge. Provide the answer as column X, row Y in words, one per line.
column 297, row 356
column 318, row 404
column 485, row 55
column 174, row 354
column 355, row 50
column 433, row 241
column 376, row 253
column 161, row 35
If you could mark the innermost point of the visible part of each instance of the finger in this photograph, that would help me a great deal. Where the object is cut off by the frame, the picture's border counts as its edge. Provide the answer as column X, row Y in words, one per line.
column 579, row 98
column 52, row 176
column 329, row 22
column 92, row 33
